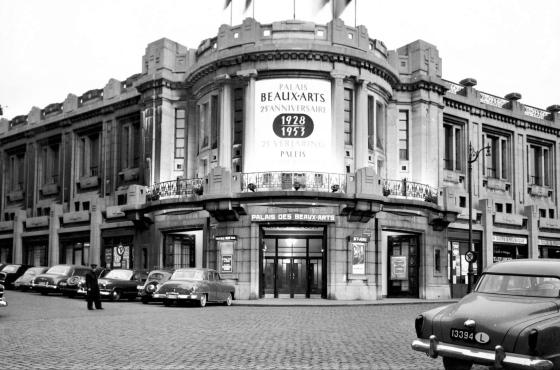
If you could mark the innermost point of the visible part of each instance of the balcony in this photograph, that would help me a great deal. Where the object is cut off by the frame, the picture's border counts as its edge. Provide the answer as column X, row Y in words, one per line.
column 409, row 190
column 294, row 181
column 180, row 188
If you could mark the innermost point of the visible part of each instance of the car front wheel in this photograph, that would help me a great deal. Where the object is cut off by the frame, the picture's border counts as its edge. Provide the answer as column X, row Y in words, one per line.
column 115, row 295
column 228, row 300
column 202, row 301
column 455, row 364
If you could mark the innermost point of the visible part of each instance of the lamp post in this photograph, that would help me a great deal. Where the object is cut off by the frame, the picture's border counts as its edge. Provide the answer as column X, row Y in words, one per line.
column 470, row 256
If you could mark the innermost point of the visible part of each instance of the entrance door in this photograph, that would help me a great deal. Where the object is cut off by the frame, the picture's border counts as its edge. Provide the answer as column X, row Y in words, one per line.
column 292, row 277
column 293, row 263
column 403, row 265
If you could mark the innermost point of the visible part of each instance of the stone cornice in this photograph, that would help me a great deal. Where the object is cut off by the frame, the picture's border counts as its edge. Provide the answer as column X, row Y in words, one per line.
column 481, row 112
column 291, row 55
column 438, row 87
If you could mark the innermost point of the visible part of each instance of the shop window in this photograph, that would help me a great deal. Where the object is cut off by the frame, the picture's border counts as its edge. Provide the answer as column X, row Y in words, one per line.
column 453, row 146
column 119, row 252
column 403, row 135
column 179, row 133
column 497, row 160
column 180, row 251
column 348, row 115
column 539, row 165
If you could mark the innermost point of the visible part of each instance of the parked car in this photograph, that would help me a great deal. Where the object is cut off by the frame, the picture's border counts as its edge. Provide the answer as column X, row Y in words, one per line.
column 76, row 285
column 10, row 273
column 50, row 281
column 24, row 281
column 3, row 302
column 510, row 320
column 195, row 285
column 121, row 283
column 155, row 277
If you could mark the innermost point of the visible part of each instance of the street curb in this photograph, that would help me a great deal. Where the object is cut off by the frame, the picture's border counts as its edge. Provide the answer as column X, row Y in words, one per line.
column 334, row 304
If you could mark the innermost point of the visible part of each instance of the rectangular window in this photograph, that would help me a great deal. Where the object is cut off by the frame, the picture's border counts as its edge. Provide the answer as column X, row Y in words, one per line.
column 497, row 163
column 179, row 133
column 348, row 116
column 238, row 102
column 370, row 120
column 403, row 135
column 204, row 118
column 380, row 125
column 453, row 146
column 130, row 143
column 214, row 121
column 539, row 164
column 16, row 175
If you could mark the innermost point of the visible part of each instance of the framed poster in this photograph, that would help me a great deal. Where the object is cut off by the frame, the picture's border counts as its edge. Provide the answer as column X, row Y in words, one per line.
column 399, row 268
column 358, row 258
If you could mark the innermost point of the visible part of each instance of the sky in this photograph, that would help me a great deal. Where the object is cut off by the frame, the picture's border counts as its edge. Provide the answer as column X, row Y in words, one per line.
column 50, row 48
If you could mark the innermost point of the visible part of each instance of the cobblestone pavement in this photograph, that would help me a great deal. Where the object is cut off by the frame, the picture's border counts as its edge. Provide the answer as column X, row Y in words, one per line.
column 54, row 332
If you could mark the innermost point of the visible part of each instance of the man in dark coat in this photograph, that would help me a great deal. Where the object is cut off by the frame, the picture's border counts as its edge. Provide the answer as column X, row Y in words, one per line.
column 93, row 295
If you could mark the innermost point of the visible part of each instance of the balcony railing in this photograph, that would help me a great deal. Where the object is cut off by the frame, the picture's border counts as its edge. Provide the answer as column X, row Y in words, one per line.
column 408, row 189
column 298, row 181
column 180, row 188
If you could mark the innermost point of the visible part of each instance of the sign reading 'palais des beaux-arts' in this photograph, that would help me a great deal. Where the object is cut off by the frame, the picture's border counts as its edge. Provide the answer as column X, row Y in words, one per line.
column 292, row 126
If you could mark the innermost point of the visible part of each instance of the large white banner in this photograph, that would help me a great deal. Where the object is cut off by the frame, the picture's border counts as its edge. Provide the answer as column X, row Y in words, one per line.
column 292, row 126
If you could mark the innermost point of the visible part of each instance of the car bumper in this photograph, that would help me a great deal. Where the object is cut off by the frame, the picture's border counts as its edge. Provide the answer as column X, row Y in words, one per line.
column 3, row 302
column 498, row 358
column 46, row 287
column 176, row 297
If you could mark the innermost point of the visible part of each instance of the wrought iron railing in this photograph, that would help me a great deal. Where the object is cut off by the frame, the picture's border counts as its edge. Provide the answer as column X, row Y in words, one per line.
column 408, row 189
column 180, row 188
column 298, row 181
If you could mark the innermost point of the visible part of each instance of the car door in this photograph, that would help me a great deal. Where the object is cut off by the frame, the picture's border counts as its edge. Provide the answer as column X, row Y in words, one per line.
column 213, row 294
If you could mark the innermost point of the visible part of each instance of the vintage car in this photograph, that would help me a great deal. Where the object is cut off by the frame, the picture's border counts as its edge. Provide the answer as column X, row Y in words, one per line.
column 10, row 273
column 121, row 283
column 510, row 320
column 155, row 277
column 56, row 277
column 24, row 281
column 3, row 302
column 76, row 285
column 195, row 285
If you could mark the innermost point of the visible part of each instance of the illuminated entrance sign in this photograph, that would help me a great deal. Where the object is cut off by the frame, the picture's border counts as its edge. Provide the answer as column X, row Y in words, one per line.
column 305, row 217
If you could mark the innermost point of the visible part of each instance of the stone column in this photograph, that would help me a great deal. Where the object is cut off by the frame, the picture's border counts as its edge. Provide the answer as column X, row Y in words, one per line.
column 96, row 219
column 532, row 213
column 337, row 141
column 224, row 153
column 488, row 232
column 249, row 127
column 361, row 126
column 19, row 219
column 54, row 241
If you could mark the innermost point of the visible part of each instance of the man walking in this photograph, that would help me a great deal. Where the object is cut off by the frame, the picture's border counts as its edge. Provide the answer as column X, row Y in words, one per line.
column 93, row 295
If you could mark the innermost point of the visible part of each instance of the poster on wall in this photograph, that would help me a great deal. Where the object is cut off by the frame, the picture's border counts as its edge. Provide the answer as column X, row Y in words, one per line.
column 293, row 126
column 399, row 270
column 226, row 264
column 358, row 258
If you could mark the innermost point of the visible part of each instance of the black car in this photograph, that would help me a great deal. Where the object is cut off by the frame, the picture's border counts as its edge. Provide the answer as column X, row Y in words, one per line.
column 155, row 278
column 121, row 283
column 56, row 278
column 10, row 273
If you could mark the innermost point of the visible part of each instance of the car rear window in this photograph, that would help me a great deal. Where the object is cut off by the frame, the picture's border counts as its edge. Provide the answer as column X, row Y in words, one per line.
column 59, row 270
column 10, row 268
column 519, row 285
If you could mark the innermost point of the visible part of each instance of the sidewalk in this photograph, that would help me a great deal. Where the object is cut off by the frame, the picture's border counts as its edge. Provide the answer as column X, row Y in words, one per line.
column 288, row 302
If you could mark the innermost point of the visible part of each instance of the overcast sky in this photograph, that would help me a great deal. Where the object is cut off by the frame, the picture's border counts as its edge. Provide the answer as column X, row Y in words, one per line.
column 50, row 48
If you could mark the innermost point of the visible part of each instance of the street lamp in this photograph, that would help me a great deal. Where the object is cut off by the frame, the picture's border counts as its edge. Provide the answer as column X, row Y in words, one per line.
column 471, row 255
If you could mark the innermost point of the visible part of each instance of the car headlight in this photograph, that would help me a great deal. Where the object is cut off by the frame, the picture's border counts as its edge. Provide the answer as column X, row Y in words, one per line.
column 151, row 288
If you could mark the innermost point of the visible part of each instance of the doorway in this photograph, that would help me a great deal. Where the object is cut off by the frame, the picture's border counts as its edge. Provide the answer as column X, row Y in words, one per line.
column 293, row 262
column 403, row 274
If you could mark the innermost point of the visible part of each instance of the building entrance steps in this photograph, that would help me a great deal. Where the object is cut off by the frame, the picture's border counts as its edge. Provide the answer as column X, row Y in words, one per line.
column 288, row 302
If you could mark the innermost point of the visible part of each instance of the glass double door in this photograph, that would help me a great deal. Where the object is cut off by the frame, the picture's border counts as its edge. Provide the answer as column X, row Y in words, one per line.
column 293, row 267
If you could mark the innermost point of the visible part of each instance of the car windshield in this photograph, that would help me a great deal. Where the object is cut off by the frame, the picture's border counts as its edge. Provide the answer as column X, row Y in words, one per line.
column 188, row 275
column 59, row 270
column 519, row 285
column 33, row 271
column 10, row 268
column 157, row 276
column 119, row 274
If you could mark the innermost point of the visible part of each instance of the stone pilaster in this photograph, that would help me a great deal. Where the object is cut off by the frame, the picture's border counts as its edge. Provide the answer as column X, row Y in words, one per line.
column 488, row 226
column 96, row 219
column 226, row 115
column 19, row 219
column 337, row 141
column 54, row 241
column 532, row 214
column 361, row 146
column 249, row 129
